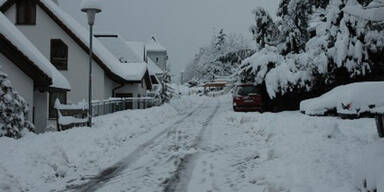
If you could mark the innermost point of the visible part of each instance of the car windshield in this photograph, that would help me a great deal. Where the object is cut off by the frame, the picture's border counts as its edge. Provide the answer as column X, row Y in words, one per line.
column 247, row 90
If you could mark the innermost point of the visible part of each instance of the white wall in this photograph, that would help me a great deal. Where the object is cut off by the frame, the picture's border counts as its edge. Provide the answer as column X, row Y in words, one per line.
column 77, row 73
column 21, row 82
column 109, row 86
column 162, row 59
column 134, row 88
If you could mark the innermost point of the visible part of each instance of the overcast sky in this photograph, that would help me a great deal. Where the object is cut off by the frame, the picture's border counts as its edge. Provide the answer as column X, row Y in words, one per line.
column 182, row 26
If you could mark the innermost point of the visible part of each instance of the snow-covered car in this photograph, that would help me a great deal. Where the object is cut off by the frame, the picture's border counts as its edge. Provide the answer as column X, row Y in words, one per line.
column 352, row 100
column 247, row 97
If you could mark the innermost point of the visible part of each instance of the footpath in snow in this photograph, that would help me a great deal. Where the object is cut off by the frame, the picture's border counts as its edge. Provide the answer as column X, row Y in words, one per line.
column 192, row 144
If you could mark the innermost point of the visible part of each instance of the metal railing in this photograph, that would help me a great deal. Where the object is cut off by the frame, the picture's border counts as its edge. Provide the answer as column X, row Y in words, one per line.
column 115, row 105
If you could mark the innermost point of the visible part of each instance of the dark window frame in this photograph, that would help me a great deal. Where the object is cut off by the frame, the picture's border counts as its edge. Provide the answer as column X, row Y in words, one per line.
column 26, row 11
column 60, row 62
column 52, row 112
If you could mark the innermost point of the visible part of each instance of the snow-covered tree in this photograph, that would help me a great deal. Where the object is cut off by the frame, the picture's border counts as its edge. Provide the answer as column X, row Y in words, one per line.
column 13, row 110
column 220, row 58
column 293, row 25
column 343, row 48
column 265, row 30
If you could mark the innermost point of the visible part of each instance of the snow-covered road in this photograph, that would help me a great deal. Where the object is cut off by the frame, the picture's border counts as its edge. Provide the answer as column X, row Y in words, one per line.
column 193, row 144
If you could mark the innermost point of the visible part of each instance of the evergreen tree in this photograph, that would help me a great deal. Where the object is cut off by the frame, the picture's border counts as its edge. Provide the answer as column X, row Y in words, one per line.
column 220, row 40
column 214, row 60
column 265, row 30
column 294, row 24
column 13, row 110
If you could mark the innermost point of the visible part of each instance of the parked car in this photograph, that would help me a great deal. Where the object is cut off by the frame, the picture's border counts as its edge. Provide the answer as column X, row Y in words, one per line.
column 247, row 97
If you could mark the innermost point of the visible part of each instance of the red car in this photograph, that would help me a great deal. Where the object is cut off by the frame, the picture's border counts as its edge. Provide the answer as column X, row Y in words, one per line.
column 247, row 97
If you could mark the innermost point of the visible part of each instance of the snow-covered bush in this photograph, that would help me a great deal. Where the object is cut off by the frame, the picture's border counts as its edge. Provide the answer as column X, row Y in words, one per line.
column 13, row 110
column 320, row 47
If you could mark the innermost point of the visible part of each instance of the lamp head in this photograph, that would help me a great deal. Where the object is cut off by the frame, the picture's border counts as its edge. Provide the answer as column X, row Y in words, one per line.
column 91, row 14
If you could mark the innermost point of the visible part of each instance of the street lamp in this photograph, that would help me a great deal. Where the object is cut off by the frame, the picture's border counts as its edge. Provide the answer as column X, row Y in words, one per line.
column 91, row 14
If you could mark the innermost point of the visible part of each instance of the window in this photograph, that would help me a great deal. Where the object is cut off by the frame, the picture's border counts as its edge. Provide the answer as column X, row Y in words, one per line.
column 59, row 54
column 157, row 59
column 53, row 95
column 26, row 12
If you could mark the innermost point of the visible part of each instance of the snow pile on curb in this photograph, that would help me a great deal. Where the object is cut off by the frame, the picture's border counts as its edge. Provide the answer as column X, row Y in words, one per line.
column 351, row 99
column 54, row 160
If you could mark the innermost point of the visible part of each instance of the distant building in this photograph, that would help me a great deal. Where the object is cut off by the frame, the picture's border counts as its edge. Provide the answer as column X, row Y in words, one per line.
column 157, row 53
column 140, row 80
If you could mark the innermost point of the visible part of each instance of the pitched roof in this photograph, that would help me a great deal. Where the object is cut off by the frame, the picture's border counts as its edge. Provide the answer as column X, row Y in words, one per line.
column 106, row 60
column 134, row 66
column 154, row 45
column 138, row 48
column 153, row 68
column 28, row 58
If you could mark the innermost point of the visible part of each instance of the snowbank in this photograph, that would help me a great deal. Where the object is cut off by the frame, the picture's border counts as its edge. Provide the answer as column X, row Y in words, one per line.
column 352, row 99
column 54, row 160
column 370, row 168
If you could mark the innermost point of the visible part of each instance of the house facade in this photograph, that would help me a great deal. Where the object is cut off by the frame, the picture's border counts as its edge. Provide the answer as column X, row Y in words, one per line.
column 157, row 53
column 57, row 41
column 30, row 73
column 139, row 80
column 65, row 42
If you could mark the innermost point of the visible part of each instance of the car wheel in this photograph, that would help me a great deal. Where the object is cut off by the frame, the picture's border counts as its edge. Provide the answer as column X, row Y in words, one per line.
column 235, row 109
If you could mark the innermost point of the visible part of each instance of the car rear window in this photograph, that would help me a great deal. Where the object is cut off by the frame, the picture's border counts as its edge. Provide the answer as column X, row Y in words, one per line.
column 246, row 90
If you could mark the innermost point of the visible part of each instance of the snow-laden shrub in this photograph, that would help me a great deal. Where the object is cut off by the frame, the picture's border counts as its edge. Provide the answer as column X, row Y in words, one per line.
column 343, row 49
column 13, row 110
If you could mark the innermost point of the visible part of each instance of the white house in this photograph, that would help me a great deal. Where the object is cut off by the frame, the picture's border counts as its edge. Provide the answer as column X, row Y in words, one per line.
column 30, row 73
column 157, row 53
column 140, row 80
column 62, row 39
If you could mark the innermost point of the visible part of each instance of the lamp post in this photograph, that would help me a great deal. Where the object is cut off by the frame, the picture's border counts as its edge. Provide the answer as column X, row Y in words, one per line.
column 91, row 14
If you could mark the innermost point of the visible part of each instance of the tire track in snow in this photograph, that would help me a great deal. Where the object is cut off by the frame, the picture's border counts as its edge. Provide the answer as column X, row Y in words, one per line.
column 180, row 179
column 113, row 171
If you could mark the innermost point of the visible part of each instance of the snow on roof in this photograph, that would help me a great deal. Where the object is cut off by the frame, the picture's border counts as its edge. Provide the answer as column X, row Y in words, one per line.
column 153, row 68
column 137, row 47
column 134, row 66
column 2, row 2
column 106, row 56
column 373, row 12
column 154, row 45
column 17, row 38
